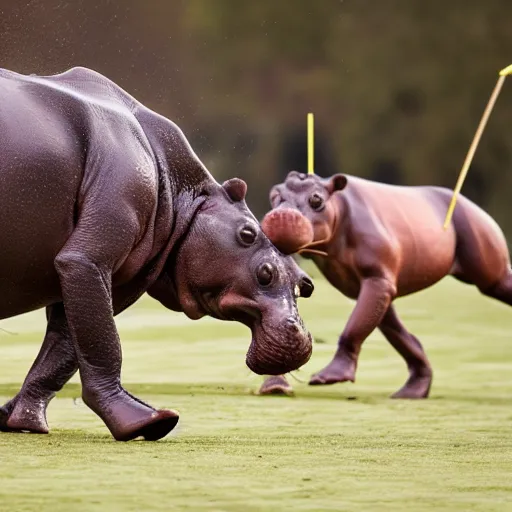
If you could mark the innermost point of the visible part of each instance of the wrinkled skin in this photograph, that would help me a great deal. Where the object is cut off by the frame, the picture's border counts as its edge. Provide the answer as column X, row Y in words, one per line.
column 102, row 200
column 377, row 242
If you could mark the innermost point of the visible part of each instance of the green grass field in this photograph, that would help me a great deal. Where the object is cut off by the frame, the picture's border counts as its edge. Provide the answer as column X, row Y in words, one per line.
column 345, row 447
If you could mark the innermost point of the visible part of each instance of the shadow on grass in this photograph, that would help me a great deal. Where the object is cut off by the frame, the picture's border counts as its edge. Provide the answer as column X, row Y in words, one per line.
column 334, row 393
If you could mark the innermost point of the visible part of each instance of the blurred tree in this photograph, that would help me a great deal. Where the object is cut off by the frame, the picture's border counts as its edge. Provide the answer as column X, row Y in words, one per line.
column 398, row 87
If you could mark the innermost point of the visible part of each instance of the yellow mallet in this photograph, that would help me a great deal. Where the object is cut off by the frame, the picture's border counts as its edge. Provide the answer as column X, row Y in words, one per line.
column 471, row 153
column 311, row 135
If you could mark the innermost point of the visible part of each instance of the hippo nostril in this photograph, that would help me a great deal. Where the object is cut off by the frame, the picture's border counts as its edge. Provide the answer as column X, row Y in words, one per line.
column 292, row 324
column 306, row 287
column 265, row 274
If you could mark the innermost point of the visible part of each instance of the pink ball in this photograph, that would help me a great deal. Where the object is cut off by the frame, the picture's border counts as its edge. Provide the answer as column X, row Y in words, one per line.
column 287, row 229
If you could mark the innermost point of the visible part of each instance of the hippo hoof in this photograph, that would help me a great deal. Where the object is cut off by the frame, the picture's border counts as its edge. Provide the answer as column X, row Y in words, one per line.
column 19, row 418
column 414, row 388
column 4, row 416
column 339, row 370
column 159, row 425
column 276, row 385
column 321, row 379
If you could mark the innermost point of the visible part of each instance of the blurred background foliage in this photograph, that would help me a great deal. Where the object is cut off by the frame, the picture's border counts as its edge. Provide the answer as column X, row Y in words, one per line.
column 397, row 86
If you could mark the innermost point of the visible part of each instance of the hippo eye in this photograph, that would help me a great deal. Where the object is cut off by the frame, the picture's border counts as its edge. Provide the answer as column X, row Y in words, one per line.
column 316, row 202
column 265, row 274
column 247, row 235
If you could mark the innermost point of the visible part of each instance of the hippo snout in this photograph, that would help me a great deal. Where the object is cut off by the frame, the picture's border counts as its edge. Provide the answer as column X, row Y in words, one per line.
column 279, row 350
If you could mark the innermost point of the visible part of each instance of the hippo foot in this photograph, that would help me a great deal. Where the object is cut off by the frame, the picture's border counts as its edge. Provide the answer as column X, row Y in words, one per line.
column 417, row 386
column 23, row 415
column 276, row 385
column 156, row 427
column 128, row 417
column 340, row 369
column 5, row 412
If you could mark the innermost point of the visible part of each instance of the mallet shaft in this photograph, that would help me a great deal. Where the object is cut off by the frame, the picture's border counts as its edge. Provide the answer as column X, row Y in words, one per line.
column 310, row 143
column 474, row 144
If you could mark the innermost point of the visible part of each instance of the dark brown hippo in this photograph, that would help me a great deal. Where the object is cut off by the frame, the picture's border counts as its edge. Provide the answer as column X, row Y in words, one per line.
column 101, row 200
column 375, row 242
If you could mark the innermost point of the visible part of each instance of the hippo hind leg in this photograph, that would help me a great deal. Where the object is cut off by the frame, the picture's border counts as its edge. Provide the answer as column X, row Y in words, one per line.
column 502, row 290
column 407, row 345
column 55, row 364
column 482, row 257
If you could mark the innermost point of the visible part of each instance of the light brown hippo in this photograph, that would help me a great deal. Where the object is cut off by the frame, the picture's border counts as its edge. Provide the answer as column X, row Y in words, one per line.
column 375, row 242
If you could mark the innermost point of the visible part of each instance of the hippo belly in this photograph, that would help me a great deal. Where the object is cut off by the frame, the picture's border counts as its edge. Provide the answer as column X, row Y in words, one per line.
column 36, row 222
column 40, row 176
column 37, row 204
column 427, row 252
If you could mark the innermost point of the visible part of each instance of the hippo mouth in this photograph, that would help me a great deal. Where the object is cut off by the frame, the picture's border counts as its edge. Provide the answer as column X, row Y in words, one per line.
column 208, row 303
column 277, row 347
column 279, row 350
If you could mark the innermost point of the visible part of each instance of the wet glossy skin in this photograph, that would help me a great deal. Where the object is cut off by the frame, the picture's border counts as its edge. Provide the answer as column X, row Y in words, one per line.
column 101, row 200
column 376, row 242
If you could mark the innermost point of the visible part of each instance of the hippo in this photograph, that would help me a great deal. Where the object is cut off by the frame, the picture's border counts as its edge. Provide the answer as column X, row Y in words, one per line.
column 102, row 200
column 375, row 242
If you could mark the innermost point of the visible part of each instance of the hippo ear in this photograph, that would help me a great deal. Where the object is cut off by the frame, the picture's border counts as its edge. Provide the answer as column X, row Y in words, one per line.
column 336, row 182
column 235, row 188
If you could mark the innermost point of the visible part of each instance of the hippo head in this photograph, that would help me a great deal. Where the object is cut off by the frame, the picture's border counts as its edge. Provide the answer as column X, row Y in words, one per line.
column 303, row 216
column 227, row 268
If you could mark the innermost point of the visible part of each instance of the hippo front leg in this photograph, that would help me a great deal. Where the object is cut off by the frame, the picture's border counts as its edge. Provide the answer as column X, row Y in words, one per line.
column 55, row 364
column 85, row 266
column 374, row 299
